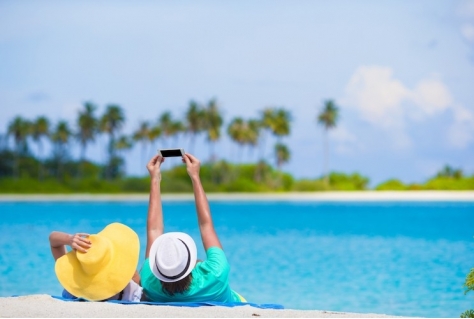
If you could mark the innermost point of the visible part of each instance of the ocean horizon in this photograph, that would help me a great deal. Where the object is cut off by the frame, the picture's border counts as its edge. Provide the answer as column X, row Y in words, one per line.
column 387, row 257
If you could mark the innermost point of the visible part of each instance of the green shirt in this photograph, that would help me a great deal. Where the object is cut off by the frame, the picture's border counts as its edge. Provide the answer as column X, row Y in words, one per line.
column 210, row 281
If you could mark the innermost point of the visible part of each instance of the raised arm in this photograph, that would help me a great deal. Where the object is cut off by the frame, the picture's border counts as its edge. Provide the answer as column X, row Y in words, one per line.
column 206, row 226
column 59, row 240
column 154, row 225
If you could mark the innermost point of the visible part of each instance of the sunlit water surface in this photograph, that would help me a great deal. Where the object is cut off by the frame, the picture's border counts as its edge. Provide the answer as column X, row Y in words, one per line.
column 395, row 258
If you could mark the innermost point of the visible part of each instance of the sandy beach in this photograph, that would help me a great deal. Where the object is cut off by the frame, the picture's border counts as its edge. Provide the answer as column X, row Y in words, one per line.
column 287, row 196
column 45, row 306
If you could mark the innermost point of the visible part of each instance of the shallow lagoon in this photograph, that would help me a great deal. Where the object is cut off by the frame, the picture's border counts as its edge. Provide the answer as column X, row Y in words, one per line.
column 400, row 258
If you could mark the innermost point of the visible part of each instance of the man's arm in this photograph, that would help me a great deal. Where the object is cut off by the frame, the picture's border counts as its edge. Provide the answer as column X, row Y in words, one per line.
column 154, row 224
column 59, row 240
column 206, row 226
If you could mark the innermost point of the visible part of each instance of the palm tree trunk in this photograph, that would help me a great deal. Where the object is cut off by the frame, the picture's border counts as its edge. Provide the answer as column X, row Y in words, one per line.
column 240, row 154
column 143, row 152
column 258, row 174
column 175, row 139
column 59, row 163
column 111, row 155
column 326, row 158
column 212, row 155
column 81, row 167
column 191, row 143
column 16, row 164
column 40, row 164
column 262, row 145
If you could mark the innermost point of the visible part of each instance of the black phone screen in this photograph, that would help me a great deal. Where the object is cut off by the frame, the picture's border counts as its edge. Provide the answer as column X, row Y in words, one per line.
column 171, row 153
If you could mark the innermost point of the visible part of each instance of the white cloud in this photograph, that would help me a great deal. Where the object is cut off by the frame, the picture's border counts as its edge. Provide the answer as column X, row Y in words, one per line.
column 467, row 30
column 387, row 104
column 432, row 96
column 461, row 132
column 379, row 97
column 376, row 95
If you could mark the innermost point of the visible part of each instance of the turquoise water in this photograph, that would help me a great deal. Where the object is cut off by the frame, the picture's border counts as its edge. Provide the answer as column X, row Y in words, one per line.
column 396, row 258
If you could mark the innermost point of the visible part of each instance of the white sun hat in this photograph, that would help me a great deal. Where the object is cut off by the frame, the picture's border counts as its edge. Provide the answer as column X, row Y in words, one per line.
column 172, row 256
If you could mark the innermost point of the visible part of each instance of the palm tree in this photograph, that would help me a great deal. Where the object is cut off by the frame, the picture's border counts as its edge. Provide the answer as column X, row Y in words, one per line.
column 252, row 133
column 194, row 121
column 61, row 135
column 266, row 124
column 123, row 143
column 328, row 118
column 153, row 135
column 111, row 122
column 177, row 127
column 282, row 154
column 142, row 136
column 276, row 121
column 40, row 129
column 87, row 127
column 450, row 172
column 3, row 142
column 280, row 125
column 165, row 122
column 19, row 128
column 236, row 131
column 60, row 138
column 213, row 126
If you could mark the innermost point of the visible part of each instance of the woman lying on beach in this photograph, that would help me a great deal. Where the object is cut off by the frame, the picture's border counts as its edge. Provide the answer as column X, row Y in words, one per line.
column 171, row 271
column 99, row 267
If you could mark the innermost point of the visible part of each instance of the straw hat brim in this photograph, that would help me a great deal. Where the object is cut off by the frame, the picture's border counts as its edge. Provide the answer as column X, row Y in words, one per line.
column 112, row 278
column 154, row 248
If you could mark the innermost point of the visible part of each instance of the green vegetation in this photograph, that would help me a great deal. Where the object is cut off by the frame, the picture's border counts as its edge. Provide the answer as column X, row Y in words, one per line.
column 25, row 171
column 199, row 119
column 469, row 286
column 446, row 179
column 467, row 314
column 218, row 176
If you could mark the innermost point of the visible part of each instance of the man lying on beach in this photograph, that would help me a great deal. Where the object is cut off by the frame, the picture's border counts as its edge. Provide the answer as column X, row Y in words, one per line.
column 171, row 271
column 99, row 267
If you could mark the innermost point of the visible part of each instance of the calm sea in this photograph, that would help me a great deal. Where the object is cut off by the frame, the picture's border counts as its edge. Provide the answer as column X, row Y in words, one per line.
column 399, row 258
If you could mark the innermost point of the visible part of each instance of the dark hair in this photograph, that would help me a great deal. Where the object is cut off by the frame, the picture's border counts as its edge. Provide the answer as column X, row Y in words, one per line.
column 177, row 287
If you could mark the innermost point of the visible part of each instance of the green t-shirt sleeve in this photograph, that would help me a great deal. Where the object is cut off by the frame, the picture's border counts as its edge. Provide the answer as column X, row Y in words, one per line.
column 216, row 263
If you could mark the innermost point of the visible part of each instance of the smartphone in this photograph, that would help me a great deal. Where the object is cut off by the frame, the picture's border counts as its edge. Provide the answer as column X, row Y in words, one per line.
column 172, row 152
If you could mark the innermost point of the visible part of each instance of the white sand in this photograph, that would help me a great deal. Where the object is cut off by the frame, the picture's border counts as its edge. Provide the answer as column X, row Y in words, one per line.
column 287, row 196
column 45, row 306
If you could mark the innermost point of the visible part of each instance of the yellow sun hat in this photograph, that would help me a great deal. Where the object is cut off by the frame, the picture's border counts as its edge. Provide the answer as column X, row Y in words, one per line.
column 105, row 269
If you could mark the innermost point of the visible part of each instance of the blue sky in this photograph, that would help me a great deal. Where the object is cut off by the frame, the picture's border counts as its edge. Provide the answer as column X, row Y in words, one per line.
column 401, row 72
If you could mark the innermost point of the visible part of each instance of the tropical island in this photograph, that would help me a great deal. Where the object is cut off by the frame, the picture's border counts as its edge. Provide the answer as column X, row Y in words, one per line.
column 25, row 171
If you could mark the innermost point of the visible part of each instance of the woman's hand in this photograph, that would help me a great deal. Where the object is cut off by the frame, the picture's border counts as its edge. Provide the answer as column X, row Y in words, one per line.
column 192, row 165
column 154, row 165
column 80, row 242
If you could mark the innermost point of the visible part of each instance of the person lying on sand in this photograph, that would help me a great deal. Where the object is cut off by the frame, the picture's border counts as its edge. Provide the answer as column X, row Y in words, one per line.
column 99, row 267
column 171, row 271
